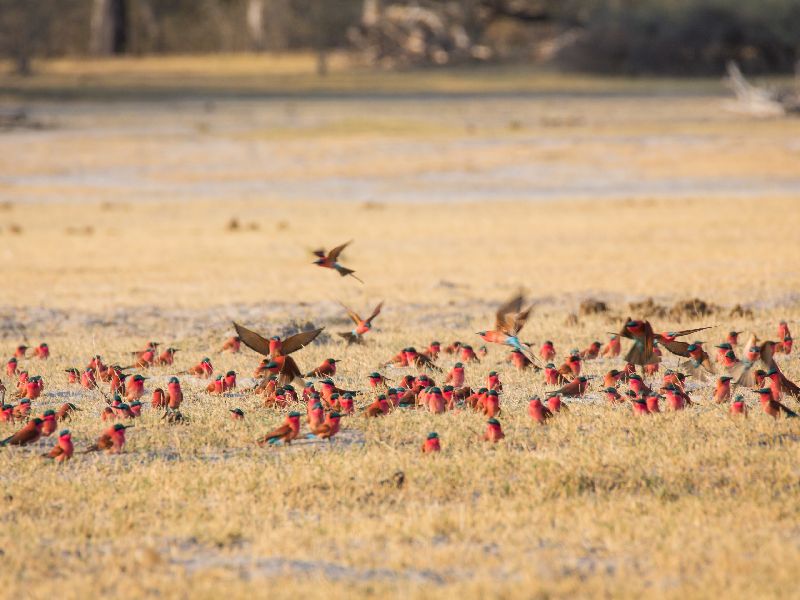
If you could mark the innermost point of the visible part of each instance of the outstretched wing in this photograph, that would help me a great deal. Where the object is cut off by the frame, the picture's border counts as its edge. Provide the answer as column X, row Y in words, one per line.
column 334, row 254
column 375, row 312
column 688, row 331
column 352, row 314
column 519, row 319
column 252, row 340
column 504, row 316
column 299, row 340
column 676, row 347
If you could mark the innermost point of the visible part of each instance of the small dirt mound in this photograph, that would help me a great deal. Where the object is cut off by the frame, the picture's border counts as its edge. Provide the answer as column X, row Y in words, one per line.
column 647, row 308
column 694, row 307
column 592, row 306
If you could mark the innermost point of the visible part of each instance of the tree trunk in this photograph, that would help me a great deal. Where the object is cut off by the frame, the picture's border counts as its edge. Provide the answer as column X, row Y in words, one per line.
column 108, row 27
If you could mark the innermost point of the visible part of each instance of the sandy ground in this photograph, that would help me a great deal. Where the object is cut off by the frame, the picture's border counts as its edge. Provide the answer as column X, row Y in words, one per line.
column 115, row 229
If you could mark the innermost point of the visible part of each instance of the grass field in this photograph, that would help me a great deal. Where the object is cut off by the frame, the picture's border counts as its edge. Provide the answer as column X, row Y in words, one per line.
column 115, row 229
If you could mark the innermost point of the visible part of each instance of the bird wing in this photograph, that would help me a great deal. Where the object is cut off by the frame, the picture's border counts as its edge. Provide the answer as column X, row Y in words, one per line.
column 275, row 433
column 519, row 320
column 375, row 312
column 252, row 340
column 297, row 341
column 320, row 253
column 624, row 331
column 768, row 354
column 688, row 331
column 352, row 314
column 511, row 307
column 334, row 254
column 675, row 346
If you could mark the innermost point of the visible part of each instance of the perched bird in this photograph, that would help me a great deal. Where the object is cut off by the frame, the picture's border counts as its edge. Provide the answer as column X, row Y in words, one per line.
column 554, row 402
column 612, row 348
column 538, row 411
column 237, row 414
column 42, row 351
column 613, row 395
column 326, row 369
column 330, row 261
column 433, row 350
column 63, row 449
column 772, row 407
column 519, row 360
column 509, row 320
column 592, row 351
column 48, row 423
column 492, row 381
column 12, row 366
column 431, row 443
column 135, row 389
column 547, row 351
column 328, row 429
column 175, row 393
column 733, row 337
column 639, row 406
column 494, row 432
column 21, row 351
column 379, row 407
column 651, row 401
column 722, row 351
column 576, row 387
column 611, row 378
column 456, row 375
column 722, row 390
column 202, row 369
column 738, row 406
column 362, row 326
column 377, row 380
column 233, row 344
column 111, row 441
column 29, row 434
column 279, row 350
column 167, row 357
column 159, row 399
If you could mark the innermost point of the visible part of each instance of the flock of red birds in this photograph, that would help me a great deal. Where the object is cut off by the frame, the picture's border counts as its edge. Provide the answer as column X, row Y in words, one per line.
column 324, row 404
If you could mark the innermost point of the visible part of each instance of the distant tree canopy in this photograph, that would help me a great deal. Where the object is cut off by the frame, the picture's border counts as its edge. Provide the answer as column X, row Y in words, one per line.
column 615, row 36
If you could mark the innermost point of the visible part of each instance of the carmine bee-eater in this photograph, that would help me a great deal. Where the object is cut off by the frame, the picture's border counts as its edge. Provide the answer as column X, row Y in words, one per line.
column 88, row 380
column 571, row 367
column 23, row 409
column 135, row 409
column 229, row 381
column 419, row 360
column 784, row 347
column 698, row 362
column 494, row 432
column 377, row 380
column 279, row 350
column 639, row 406
column 547, row 351
column 637, row 384
column 651, row 401
column 7, row 413
column 111, row 441
column 42, row 351
column 733, row 338
column 641, row 332
column 362, row 326
column 21, row 351
column 65, row 411
column 772, row 407
column 49, row 423
column 612, row 348
column 611, row 378
column 722, row 390
column 538, row 411
column 434, row 348
column 326, row 369
column 510, row 318
column 738, row 406
column 159, row 399
column 456, row 375
column 722, row 350
column 490, row 404
column 554, row 403
column 328, row 429
column 453, row 348
column 467, row 354
column 346, row 406
column 63, row 449
column 73, row 375
column 783, row 330
column 330, row 260
column 378, row 408
column 135, row 388
column 518, row 360
column 552, row 376
column 175, row 393
column 202, row 369
column 11, row 366
column 493, row 381
column 669, row 340
column 29, row 434
column 612, row 395
column 431, row 443
column 676, row 398
column 237, row 414
column 576, row 387
column 144, row 358
column 436, row 401
column 167, row 357
column 232, row 344
column 592, row 351
column 315, row 415
column 285, row 433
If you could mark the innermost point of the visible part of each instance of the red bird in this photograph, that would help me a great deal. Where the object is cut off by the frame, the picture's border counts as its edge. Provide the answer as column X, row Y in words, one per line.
column 733, row 338
column 135, row 389
column 554, row 403
column 379, row 407
column 111, row 441
column 48, row 423
column 592, row 352
column 88, row 380
column 330, row 261
column 738, row 406
column 20, row 351
column 547, row 351
column 783, row 330
column 552, row 376
column 456, row 375
column 159, row 399
column 491, row 404
column 510, row 318
column 612, row 348
column 175, row 393
column 11, row 366
column 611, row 378
column 493, row 381
column 285, row 433
column 640, row 406
column 576, row 387
column 362, row 326
column 328, row 429
column 612, row 395
column 519, row 360
column 772, row 407
column 202, row 369
column 29, row 434
column 279, row 350
column 652, row 403
column 326, row 369
column 167, row 357
column 494, row 433
column 377, row 380
column 63, row 449
column 65, row 411
column 467, row 354
column 641, row 353
column 42, row 351
column 232, row 344
column 538, row 411
column 722, row 391
column 434, row 348
column 431, row 443
column 237, row 414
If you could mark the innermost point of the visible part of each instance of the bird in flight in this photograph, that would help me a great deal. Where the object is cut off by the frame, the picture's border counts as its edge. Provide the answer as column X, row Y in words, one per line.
column 330, row 259
column 362, row 326
column 279, row 350
column 509, row 320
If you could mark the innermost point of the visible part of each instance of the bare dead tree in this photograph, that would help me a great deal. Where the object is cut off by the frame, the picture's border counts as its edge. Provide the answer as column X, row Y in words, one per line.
column 108, row 27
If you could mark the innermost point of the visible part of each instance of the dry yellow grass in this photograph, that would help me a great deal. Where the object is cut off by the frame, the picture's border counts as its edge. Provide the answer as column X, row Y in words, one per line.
column 595, row 504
